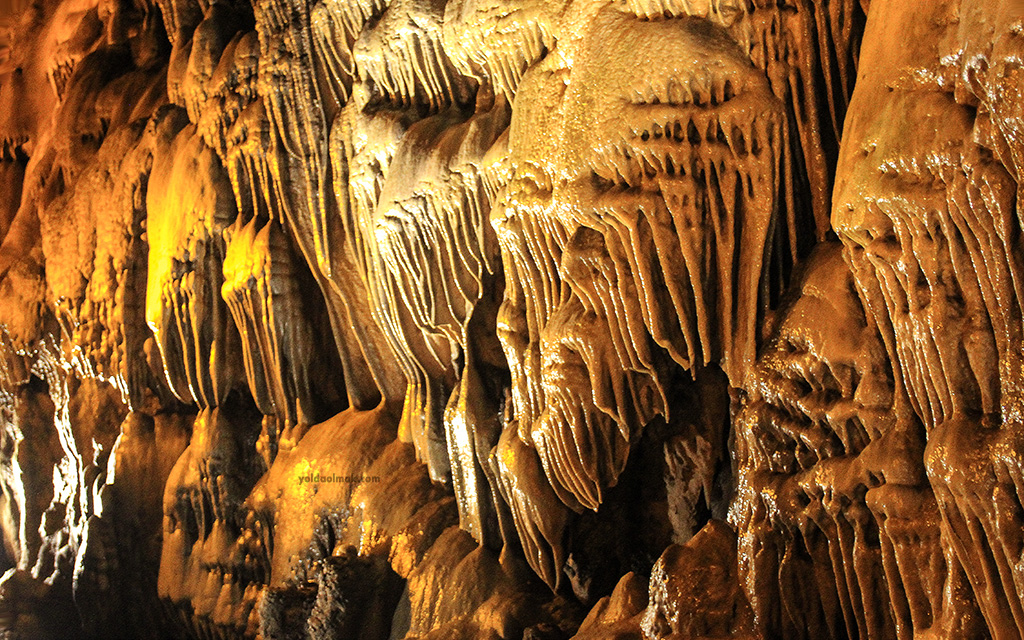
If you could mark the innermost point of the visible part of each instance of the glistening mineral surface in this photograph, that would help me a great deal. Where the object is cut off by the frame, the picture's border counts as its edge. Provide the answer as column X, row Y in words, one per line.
column 512, row 319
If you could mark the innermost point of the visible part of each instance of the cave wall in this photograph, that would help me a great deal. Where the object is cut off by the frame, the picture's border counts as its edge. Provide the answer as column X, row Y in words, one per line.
column 517, row 319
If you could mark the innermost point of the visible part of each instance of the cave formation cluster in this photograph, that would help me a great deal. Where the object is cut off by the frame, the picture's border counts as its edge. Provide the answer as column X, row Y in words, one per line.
column 512, row 319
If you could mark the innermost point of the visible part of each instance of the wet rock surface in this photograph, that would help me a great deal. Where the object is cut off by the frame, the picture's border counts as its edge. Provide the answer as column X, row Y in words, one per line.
column 511, row 319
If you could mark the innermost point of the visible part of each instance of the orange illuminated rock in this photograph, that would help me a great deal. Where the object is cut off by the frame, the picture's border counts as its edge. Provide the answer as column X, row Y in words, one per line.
column 452, row 319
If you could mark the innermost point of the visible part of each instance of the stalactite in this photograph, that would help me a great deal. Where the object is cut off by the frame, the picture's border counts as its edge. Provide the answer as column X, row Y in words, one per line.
column 462, row 318
column 264, row 283
column 184, row 308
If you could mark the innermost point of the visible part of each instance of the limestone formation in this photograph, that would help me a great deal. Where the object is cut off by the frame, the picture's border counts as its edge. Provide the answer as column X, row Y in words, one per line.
column 511, row 319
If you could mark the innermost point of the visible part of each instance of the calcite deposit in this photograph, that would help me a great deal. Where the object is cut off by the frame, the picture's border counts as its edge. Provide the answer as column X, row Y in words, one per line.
column 511, row 319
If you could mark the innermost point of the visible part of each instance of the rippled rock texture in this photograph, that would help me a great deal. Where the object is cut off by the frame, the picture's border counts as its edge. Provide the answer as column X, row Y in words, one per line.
column 512, row 319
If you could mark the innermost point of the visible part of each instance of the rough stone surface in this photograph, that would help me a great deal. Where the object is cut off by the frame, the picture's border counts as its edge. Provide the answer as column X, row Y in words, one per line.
column 511, row 319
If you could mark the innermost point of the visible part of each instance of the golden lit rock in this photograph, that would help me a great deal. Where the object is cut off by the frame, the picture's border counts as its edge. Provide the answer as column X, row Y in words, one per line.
column 511, row 319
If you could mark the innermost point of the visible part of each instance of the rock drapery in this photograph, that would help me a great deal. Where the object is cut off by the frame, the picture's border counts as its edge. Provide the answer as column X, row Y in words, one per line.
column 512, row 319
